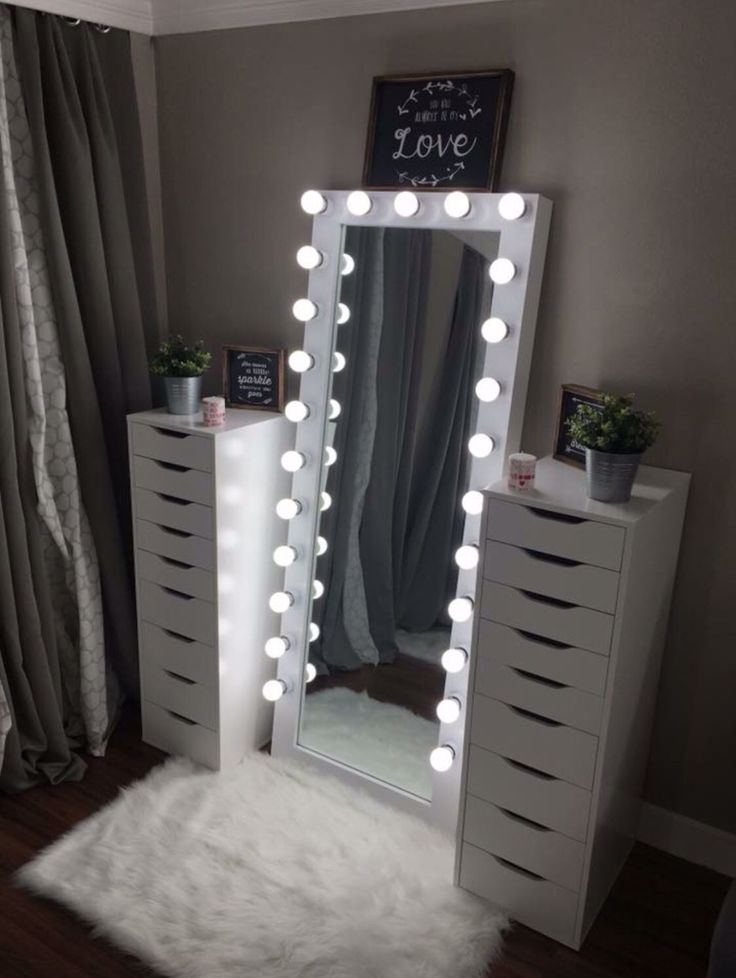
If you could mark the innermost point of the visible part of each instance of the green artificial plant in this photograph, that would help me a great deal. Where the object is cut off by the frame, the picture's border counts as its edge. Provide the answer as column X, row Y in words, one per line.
column 176, row 359
column 614, row 426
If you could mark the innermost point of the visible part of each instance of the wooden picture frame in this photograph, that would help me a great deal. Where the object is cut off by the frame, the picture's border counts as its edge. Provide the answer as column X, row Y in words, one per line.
column 566, row 448
column 241, row 364
column 464, row 117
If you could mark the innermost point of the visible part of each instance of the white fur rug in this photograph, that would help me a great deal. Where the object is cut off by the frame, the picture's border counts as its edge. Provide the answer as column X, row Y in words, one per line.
column 268, row 871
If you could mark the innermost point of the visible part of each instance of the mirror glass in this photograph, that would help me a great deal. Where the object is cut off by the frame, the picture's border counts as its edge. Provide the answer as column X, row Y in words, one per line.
column 406, row 365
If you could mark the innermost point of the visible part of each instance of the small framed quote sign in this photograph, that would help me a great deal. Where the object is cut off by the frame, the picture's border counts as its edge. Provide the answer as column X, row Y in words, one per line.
column 566, row 448
column 438, row 132
column 253, row 378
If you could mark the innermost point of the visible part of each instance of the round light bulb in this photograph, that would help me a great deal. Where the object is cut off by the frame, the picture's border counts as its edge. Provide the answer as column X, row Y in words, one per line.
column 457, row 204
column 406, row 203
column 466, row 557
column 338, row 362
column 502, row 271
column 481, row 445
column 347, row 264
column 448, row 711
column 343, row 314
column 300, row 361
column 325, row 501
column 313, row 202
column 487, row 389
column 318, row 589
column 313, row 631
column 281, row 601
column 511, row 207
column 335, row 409
column 273, row 690
column 359, row 203
column 304, row 310
column 309, row 257
column 442, row 757
column 454, row 660
column 310, row 672
column 277, row 646
column 284, row 556
column 472, row 502
column 321, row 546
column 330, row 455
column 494, row 330
column 460, row 609
column 287, row 509
column 292, row 461
column 296, row 411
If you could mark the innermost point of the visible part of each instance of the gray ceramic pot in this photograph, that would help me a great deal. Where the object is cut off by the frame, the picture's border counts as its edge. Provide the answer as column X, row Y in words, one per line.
column 183, row 394
column 610, row 476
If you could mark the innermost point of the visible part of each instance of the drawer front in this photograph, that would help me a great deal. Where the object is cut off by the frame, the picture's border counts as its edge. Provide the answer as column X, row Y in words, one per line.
column 176, row 734
column 544, row 657
column 177, row 544
column 178, row 612
column 547, row 617
column 191, row 451
column 541, row 797
column 524, row 843
column 177, row 513
column 553, row 533
column 177, row 653
column 173, row 480
column 177, row 575
column 540, row 904
column 571, row 706
column 544, row 744
column 183, row 696
column 581, row 584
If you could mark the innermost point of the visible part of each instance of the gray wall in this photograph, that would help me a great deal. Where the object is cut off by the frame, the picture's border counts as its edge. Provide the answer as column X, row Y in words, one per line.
column 623, row 115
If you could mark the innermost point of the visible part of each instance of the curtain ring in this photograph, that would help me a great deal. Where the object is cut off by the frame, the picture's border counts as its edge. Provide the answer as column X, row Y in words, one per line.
column 72, row 21
column 102, row 28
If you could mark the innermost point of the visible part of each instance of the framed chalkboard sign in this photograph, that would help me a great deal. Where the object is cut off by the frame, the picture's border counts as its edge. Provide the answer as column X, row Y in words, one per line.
column 566, row 448
column 439, row 131
column 253, row 377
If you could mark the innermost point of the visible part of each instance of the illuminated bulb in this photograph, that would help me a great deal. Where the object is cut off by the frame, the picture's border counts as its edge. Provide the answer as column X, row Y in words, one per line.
column 487, row 389
column 347, row 264
column 406, row 204
column 335, row 409
column 457, row 204
column 313, row 632
column 277, row 646
column 300, row 361
column 273, row 690
column 330, row 455
column 501, row 271
column 511, row 207
column 313, row 202
column 287, row 509
column 309, row 257
column 494, row 330
column 325, row 501
column 448, row 710
column 466, row 557
column 281, row 601
column 472, row 502
column 292, row 461
column 296, row 411
column 460, row 609
column 442, row 757
column 454, row 660
column 359, row 203
column 321, row 546
column 318, row 589
column 343, row 314
column 228, row 539
column 231, row 494
column 310, row 672
column 338, row 362
column 284, row 556
column 304, row 310
column 481, row 445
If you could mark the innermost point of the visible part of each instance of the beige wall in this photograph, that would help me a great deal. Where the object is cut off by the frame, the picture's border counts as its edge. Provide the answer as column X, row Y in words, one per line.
column 623, row 115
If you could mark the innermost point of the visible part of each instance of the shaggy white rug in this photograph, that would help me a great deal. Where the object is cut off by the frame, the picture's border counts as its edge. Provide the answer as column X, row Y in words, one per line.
column 268, row 871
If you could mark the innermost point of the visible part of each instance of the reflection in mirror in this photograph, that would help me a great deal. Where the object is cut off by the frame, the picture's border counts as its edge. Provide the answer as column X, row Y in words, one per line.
column 406, row 367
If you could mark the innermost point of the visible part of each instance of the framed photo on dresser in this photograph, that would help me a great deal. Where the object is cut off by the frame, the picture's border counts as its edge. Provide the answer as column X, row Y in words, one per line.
column 566, row 449
column 253, row 377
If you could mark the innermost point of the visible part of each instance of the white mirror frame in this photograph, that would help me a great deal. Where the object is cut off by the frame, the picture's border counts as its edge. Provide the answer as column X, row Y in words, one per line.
column 522, row 240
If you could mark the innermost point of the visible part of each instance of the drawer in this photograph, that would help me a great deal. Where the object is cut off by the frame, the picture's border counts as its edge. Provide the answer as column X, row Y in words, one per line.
column 534, row 740
column 542, row 905
column 556, row 533
column 182, row 696
column 524, row 843
column 547, row 617
column 529, row 792
column 551, row 699
column 182, row 655
column 178, row 612
column 557, row 577
column 176, row 734
column 178, row 447
column 542, row 656
column 174, row 574
column 173, row 480
column 177, row 544
column 177, row 513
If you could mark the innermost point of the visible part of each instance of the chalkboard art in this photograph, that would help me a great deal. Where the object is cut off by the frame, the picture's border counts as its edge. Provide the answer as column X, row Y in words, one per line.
column 253, row 378
column 566, row 448
column 438, row 132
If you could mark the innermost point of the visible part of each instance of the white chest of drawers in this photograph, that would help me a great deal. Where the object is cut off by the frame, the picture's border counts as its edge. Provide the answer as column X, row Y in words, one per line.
column 205, row 530
column 572, row 606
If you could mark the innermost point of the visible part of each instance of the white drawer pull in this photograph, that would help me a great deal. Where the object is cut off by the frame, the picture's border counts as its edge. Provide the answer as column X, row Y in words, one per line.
column 528, row 822
column 173, row 499
column 534, row 717
column 179, row 678
column 175, row 563
column 533, row 678
column 168, row 433
column 546, row 599
column 541, row 640
column 177, row 594
column 178, row 636
column 170, row 466
column 517, row 869
column 551, row 558
column 182, row 719
column 547, row 514
column 174, row 532
column 527, row 769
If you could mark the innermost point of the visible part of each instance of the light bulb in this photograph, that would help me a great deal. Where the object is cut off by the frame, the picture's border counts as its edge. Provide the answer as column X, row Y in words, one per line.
column 406, row 204
column 494, row 330
column 466, row 557
column 284, row 556
column 454, row 660
column 309, row 257
column 472, row 502
column 304, row 310
column 457, row 204
column 287, row 509
column 318, row 589
column 460, row 609
column 487, row 389
column 296, row 411
column 277, row 646
column 231, row 495
column 511, row 207
column 228, row 539
column 313, row 631
column 338, row 362
column 335, row 409
column 281, row 601
column 481, row 445
column 300, row 361
column 292, row 461
column 347, row 264
column 502, row 271
column 330, row 455
column 321, row 546
column 359, row 203
column 442, row 757
column 313, row 202
column 310, row 672
column 325, row 501
column 448, row 710
column 343, row 314
column 273, row 690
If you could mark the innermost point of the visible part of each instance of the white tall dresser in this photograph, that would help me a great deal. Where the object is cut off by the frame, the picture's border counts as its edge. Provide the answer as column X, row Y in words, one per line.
column 205, row 530
column 573, row 601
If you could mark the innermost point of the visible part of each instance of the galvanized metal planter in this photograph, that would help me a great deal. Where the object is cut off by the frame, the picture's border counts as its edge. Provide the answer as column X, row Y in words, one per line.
column 610, row 475
column 183, row 394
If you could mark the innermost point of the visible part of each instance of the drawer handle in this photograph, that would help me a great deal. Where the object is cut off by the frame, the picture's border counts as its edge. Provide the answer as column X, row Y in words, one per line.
column 168, row 433
column 506, row 863
column 173, row 499
column 547, row 514
column 177, row 594
column 179, row 637
column 535, row 717
column 171, row 466
column 542, row 680
column 545, row 599
column 536, row 826
column 175, row 563
column 541, row 640
column 174, row 532
column 181, row 719
column 533, row 771
column 179, row 678
column 551, row 558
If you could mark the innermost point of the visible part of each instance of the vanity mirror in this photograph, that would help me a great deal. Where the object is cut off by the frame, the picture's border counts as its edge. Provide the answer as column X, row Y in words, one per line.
column 418, row 332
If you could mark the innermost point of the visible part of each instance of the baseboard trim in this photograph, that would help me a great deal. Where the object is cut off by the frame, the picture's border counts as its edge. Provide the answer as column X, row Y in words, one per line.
column 684, row 837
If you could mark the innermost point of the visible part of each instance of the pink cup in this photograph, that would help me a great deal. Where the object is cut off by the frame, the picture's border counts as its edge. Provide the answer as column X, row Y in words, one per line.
column 213, row 411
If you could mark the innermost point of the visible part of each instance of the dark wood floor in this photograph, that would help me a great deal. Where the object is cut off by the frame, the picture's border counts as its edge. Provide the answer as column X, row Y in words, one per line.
column 656, row 924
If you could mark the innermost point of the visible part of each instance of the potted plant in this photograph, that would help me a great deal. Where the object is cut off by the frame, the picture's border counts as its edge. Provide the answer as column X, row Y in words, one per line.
column 614, row 437
column 181, row 367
